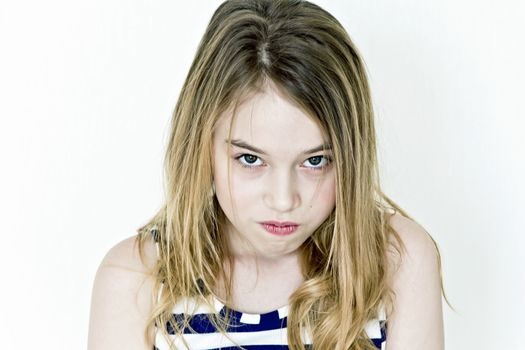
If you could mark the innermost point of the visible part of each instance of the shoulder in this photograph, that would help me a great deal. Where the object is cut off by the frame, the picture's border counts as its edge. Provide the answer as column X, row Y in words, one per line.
column 121, row 300
column 417, row 241
column 125, row 255
column 416, row 321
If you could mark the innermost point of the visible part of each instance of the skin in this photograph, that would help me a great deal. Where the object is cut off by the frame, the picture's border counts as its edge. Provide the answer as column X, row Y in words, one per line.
column 285, row 184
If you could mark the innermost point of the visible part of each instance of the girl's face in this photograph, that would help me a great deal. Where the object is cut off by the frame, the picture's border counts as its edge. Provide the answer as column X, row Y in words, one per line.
column 276, row 175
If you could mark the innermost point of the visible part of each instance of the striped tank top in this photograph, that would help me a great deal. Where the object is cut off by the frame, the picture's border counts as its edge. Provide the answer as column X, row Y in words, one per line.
column 267, row 331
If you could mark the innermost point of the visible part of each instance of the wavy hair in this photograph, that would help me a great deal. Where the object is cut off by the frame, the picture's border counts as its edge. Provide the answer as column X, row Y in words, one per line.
column 307, row 54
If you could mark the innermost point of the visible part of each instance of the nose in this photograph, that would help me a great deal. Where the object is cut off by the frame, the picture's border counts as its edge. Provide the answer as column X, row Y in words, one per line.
column 281, row 194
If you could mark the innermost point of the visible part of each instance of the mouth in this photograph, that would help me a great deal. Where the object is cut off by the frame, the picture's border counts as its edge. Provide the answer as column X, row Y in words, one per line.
column 279, row 230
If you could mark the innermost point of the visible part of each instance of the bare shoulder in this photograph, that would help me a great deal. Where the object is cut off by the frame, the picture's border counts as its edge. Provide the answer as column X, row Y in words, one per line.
column 417, row 241
column 125, row 255
column 121, row 299
column 417, row 319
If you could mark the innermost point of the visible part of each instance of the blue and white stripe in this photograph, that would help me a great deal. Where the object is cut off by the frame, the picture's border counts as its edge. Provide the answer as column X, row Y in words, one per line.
column 253, row 331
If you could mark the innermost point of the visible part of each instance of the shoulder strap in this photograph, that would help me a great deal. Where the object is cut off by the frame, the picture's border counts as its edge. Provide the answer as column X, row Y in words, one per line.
column 155, row 234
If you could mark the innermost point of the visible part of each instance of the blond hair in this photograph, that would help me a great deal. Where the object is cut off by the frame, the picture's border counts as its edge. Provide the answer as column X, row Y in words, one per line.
column 307, row 54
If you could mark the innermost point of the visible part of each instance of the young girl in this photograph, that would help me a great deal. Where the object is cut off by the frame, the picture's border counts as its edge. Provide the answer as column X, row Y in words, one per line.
column 274, row 233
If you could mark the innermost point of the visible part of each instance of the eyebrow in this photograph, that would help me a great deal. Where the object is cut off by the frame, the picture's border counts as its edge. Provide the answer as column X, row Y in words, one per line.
column 242, row 144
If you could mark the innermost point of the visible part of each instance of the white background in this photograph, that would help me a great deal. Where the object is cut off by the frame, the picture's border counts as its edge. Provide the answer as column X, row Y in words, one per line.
column 86, row 94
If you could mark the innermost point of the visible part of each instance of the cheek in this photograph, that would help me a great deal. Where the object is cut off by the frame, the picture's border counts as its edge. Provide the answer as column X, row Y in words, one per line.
column 243, row 192
column 327, row 195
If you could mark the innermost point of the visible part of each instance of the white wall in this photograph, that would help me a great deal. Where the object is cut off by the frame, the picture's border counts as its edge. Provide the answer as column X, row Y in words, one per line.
column 86, row 93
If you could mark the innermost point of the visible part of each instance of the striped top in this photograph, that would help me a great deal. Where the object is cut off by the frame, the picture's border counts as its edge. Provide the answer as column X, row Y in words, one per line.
column 267, row 331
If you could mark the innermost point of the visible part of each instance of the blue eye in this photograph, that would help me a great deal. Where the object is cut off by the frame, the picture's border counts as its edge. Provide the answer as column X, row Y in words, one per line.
column 317, row 160
column 249, row 160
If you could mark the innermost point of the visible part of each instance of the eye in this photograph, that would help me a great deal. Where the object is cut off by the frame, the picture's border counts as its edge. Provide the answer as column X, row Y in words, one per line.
column 315, row 161
column 249, row 162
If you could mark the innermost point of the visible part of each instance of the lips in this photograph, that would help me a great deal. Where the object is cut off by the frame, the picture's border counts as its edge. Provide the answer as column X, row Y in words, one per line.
column 280, row 223
column 280, row 228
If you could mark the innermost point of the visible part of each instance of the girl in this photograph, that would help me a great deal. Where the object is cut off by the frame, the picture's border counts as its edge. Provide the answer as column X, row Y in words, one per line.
column 275, row 233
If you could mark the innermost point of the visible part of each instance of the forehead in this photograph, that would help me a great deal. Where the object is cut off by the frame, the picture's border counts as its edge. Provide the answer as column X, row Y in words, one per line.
column 271, row 121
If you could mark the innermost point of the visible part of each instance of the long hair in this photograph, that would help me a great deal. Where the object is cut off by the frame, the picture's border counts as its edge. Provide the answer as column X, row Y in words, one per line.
column 307, row 54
